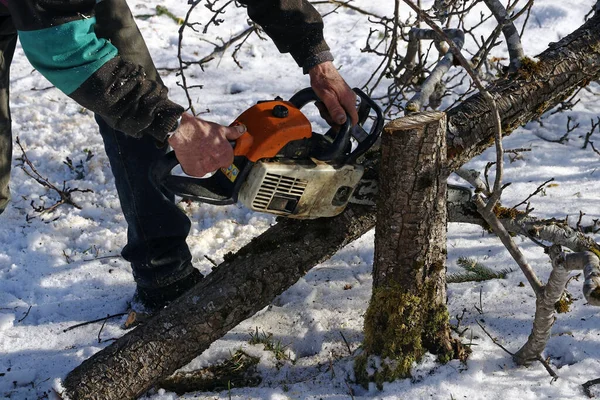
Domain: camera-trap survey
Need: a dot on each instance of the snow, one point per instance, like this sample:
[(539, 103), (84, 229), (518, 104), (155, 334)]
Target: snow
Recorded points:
[(63, 268)]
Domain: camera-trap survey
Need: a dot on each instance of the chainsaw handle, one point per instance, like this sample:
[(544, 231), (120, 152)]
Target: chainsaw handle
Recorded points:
[(303, 97), (342, 139), (205, 190), (307, 95), (364, 110), (336, 151)]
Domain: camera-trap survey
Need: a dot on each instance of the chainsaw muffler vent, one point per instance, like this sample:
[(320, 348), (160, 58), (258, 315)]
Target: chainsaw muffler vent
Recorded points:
[(279, 193), (302, 189)]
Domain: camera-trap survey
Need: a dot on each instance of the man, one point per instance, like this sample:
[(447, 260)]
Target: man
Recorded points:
[(92, 50)]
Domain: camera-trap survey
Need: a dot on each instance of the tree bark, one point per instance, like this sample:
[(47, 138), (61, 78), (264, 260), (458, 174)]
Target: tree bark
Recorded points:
[(407, 313), (254, 276)]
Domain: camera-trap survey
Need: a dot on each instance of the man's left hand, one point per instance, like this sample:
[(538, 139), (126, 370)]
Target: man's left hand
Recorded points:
[(334, 92)]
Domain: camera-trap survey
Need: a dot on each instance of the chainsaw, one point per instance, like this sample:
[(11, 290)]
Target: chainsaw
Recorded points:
[(280, 165)]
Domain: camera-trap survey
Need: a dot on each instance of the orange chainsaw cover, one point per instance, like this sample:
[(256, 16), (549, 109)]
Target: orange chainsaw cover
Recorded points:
[(266, 133)]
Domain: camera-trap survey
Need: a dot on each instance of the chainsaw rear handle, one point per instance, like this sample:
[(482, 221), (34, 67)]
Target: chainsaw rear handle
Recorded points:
[(186, 186)]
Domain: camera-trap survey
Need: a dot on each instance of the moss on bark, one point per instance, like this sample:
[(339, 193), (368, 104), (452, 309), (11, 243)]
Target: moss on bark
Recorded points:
[(399, 328)]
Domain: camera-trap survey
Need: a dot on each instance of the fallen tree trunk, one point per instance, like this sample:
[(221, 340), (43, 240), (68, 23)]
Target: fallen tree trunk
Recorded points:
[(274, 261)]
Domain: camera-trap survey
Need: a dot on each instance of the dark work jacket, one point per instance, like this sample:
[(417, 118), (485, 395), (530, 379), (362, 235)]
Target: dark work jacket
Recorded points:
[(94, 53)]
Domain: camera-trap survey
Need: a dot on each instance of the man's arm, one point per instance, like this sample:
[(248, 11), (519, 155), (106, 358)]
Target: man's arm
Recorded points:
[(294, 26), (59, 40), (297, 28)]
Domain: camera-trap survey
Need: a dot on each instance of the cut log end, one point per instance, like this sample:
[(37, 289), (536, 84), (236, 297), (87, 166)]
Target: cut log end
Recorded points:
[(414, 121)]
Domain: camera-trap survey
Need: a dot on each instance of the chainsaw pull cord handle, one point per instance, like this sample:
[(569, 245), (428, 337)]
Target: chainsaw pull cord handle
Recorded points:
[(335, 152)]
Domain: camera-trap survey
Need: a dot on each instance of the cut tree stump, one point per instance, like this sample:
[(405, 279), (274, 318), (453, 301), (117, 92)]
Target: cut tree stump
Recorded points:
[(407, 313)]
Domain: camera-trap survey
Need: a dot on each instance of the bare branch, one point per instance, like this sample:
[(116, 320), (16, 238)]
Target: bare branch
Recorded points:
[(346, 4), (473, 177), (435, 76), (562, 265), (539, 189), (94, 321), (181, 62), (218, 50), (591, 132), (588, 384), (497, 192), (391, 48), (513, 40), (64, 193), (493, 339), (590, 264), (512, 248), (216, 12)]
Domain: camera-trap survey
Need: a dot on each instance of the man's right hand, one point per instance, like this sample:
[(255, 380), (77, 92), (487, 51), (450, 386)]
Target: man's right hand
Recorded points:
[(203, 147)]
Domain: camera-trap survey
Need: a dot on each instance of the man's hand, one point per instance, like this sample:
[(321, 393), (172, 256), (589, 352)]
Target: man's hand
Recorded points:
[(334, 92), (202, 146)]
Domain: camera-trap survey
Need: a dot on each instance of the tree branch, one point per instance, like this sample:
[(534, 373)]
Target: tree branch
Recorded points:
[(544, 308), (513, 39), (435, 76)]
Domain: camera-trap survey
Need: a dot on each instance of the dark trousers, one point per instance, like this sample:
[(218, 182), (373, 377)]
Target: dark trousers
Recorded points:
[(8, 41), (156, 227)]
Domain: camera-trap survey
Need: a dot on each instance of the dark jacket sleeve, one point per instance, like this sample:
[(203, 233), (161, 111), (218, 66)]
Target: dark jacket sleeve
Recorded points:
[(295, 27), (60, 40)]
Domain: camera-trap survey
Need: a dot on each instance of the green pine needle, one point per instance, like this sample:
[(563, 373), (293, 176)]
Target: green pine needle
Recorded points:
[(475, 272)]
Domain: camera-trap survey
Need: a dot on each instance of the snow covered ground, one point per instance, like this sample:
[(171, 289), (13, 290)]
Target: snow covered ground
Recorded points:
[(63, 268)]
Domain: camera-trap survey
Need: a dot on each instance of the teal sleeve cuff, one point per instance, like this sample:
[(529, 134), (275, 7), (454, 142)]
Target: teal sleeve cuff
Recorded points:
[(68, 54)]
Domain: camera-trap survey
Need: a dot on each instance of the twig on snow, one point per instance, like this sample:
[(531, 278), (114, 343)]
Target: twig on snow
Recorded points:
[(347, 344), (100, 340), (350, 390), (101, 328), (494, 340), (548, 368), (588, 385), (94, 321), (536, 191), (539, 357), (64, 193), (26, 314), (591, 132)]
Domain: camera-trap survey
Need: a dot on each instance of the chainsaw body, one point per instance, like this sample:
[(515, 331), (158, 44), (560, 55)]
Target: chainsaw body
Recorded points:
[(281, 166)]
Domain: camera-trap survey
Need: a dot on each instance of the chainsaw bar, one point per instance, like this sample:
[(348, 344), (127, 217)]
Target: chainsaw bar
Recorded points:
[(365, 194)]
